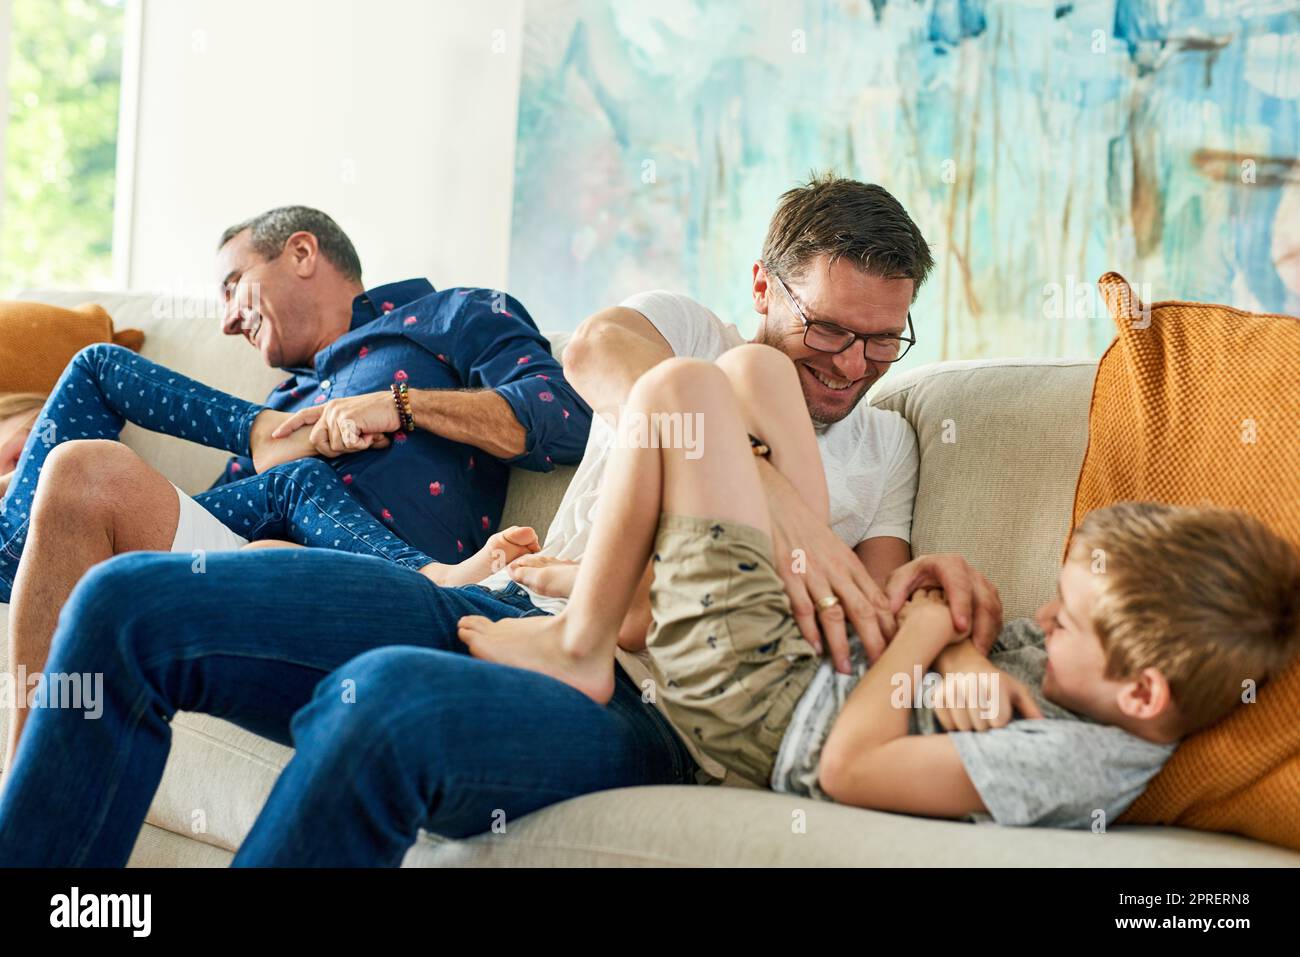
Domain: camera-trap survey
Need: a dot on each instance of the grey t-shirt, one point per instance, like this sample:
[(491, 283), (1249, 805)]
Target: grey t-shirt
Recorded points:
[(1058, 771)]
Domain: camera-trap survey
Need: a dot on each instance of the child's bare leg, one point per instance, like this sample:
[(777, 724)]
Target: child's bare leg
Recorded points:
[(771, 401), (708, 472)]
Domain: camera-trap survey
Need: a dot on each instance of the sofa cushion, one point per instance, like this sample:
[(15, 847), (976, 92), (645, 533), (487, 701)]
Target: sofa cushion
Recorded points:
[(731, 827), (1199, 403), (1000, 444), (182, 334)]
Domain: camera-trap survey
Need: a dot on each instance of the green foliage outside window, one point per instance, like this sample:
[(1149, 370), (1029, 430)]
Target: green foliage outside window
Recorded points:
[(65, 71)]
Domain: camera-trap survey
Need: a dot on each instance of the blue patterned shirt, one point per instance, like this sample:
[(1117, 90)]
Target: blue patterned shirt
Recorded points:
[(443, 497)]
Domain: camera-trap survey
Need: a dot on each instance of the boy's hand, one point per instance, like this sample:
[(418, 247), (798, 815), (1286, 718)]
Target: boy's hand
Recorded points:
[(553, 577), (920, 599), (974, 603), (977, 710), (927, 605), (925, 626)]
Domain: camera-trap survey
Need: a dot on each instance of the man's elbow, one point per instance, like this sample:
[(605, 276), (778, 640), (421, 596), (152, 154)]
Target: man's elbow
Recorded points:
[(584, 348)]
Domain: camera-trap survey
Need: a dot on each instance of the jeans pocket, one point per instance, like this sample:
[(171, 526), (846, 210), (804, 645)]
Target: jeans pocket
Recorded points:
[(513, 594)]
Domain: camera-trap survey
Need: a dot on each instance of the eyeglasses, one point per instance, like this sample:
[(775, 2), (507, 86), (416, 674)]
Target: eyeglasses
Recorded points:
[(828, 337)]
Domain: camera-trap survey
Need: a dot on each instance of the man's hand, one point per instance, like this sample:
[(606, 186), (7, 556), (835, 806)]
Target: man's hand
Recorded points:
[(973, 712), (814, 565), (965, 589), (350, 424), (553, 577)]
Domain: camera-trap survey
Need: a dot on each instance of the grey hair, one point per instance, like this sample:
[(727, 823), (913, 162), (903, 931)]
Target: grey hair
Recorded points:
[(272, 229)]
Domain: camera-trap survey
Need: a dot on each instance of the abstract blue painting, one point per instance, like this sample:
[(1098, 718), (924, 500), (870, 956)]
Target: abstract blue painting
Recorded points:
[(1036, 144)]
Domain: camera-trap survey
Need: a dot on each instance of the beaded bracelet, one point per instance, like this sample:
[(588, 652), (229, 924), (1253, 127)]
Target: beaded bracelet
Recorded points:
[(402, 399)]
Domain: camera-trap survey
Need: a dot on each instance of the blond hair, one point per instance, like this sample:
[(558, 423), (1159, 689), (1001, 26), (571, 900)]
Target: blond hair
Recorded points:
[(17, 403), (1208, 596)]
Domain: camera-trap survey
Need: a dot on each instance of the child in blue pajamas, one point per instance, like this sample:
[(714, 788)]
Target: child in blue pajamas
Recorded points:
[(105, 386)]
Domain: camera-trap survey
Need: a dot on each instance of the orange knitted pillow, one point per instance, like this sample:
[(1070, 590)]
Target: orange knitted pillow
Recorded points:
[(1198, 404), (38, 341)]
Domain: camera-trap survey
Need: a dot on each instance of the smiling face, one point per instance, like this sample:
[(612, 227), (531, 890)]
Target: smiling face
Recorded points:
[(1076, 662), (846, 295), (270, 302)]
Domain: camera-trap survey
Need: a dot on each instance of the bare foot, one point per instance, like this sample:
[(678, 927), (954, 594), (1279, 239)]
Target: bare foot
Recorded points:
[(501, 549), (269, 452), (538, 644), (553, 577)]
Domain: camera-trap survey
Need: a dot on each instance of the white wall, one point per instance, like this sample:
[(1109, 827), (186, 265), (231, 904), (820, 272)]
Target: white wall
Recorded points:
[(397, 117)]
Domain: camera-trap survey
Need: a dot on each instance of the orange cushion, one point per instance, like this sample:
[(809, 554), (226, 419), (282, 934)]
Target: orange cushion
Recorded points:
[(1202, 405), (37, 341)]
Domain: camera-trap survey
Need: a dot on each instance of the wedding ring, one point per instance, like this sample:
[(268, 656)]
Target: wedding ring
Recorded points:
[(830, 601)]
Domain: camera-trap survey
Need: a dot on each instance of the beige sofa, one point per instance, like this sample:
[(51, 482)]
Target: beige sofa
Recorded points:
[(1001, 443)]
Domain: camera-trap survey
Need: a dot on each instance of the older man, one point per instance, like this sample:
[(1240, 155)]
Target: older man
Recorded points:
[(484, 393), (484, 390)]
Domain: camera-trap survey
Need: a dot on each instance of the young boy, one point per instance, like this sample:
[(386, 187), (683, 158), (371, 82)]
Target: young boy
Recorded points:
[(1164, 618)]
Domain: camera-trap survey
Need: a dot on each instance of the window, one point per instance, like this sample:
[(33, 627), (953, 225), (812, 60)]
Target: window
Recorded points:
[(64, 77)]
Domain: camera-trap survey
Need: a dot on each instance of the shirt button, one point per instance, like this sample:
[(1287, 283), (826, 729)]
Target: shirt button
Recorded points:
[(325, 384)]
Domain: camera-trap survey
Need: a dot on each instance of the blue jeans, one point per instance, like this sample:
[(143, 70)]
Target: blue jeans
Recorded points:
[(352, 660), (105, 386)]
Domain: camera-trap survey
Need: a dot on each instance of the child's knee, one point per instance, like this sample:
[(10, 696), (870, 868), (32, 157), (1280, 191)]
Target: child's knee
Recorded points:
[(308, 471), (677, 379), (97, 353), (757, 367)]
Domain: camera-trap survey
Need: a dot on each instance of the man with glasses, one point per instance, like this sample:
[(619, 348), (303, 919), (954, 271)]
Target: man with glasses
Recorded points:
[(840, 269)]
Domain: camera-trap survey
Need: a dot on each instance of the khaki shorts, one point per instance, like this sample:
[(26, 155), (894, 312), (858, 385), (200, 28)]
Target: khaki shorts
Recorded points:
[(730, 662)]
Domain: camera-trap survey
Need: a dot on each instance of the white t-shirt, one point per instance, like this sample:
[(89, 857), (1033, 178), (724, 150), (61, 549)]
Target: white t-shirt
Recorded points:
[(870, 459), (870, 456)]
